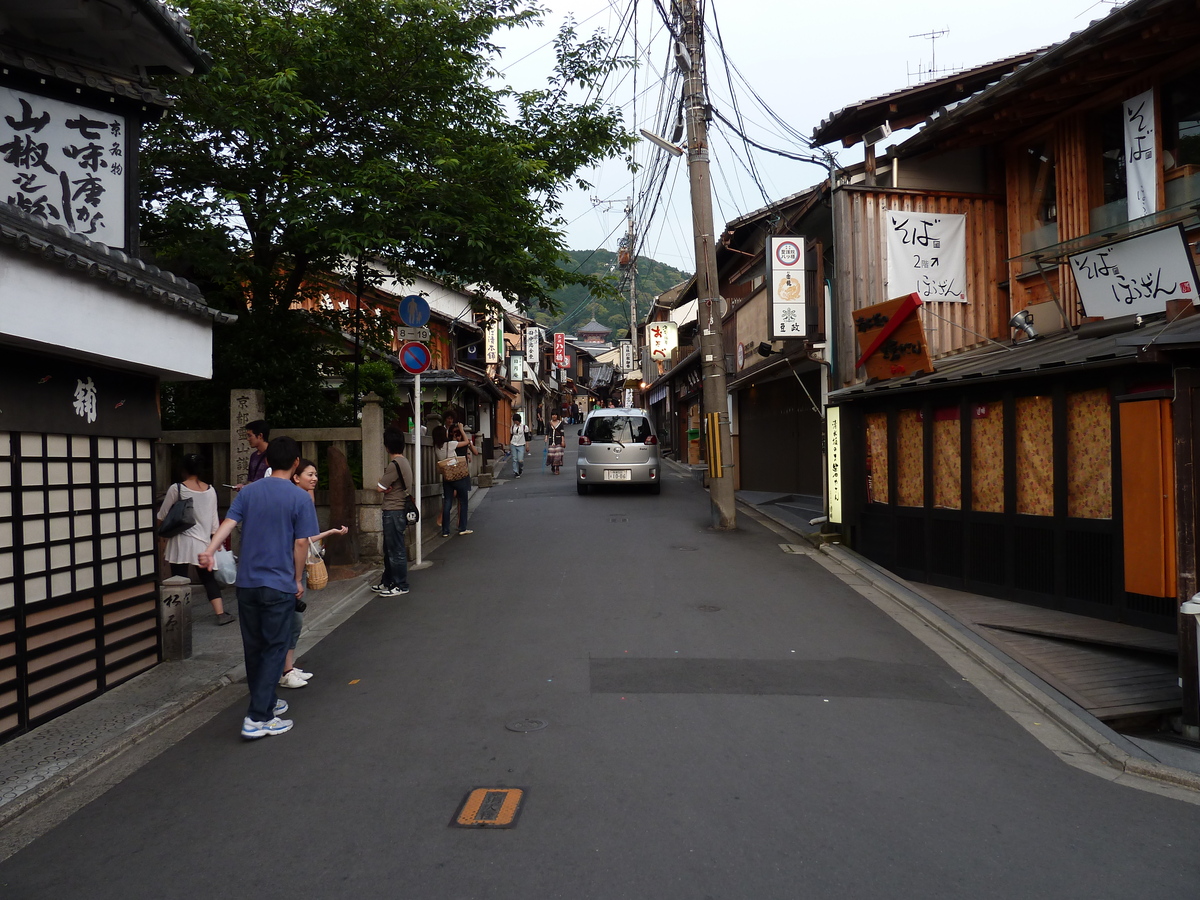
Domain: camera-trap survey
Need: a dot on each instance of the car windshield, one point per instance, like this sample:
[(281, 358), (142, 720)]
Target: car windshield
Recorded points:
[(614, 429)]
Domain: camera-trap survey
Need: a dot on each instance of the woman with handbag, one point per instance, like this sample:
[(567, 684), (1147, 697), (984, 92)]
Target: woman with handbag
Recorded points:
[(305, 478), (555, 439), (450, 451), (184, 548)]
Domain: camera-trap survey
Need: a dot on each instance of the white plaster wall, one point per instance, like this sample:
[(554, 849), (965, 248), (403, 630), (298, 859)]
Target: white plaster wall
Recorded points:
[(76, 316)]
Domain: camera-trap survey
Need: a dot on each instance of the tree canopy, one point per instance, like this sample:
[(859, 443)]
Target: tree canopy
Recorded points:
[(332, 130)]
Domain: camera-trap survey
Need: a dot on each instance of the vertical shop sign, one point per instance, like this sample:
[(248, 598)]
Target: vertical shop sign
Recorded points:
[(533, 348), (560, 350), (833, 459), (1141, 169), (785, 283)]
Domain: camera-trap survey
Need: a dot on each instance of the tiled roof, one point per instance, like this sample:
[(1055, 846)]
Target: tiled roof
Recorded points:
[(57, 246)]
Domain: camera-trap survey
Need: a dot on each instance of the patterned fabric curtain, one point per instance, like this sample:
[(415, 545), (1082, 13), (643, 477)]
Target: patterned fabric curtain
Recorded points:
[(1089, 455), (1035, 456), (877, 458), (987, 458), (947, 459), (910, 458)]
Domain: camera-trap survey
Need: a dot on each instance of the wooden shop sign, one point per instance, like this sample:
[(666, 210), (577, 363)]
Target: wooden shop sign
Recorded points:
[(892, 339)]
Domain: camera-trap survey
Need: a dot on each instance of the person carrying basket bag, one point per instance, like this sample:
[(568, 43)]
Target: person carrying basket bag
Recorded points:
[(451, 451)]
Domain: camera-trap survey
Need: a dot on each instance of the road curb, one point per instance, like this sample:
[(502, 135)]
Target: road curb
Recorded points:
[(1107, 745)]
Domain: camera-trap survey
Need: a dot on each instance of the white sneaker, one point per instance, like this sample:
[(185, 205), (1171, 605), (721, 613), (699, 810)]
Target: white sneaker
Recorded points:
[(281, 706), (290, 679), (252, 729), (395, 592), (299, 671)]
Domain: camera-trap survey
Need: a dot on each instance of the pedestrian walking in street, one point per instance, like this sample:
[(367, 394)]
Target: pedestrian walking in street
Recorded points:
[(183, 550), (447, 447), (396, 485), (453, 427), (555, 440), (541, 423), (293, 676), (277, 520), (517, 445)]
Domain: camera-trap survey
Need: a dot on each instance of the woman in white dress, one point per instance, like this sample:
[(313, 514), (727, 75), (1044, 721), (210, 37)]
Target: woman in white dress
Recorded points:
[(184, 548)]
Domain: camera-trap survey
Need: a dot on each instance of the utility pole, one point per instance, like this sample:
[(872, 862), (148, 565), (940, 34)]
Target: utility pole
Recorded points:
[(715, 397), (629, 239)]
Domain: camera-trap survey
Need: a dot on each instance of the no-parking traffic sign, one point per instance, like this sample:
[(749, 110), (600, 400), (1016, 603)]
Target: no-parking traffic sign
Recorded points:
[(414, 358)]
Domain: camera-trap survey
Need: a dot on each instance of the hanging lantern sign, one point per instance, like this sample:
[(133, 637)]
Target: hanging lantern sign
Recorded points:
[(785, 284), (661, 339)]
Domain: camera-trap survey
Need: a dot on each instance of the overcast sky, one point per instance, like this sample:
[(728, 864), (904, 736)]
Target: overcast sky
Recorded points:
[(804, 59)]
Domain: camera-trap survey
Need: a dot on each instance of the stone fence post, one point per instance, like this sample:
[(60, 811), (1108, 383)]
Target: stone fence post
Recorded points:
[(175, 617), (244, 406)]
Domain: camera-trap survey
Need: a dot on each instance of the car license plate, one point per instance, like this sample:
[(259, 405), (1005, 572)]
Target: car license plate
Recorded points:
[(618, 475)]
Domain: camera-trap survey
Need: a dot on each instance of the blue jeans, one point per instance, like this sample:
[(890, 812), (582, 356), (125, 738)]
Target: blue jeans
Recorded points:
[(518, 454), (462, 487), (395, 553), (267, 616)]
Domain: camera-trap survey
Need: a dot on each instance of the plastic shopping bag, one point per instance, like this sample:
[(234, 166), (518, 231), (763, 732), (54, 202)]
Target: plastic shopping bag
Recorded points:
[(225, 567)]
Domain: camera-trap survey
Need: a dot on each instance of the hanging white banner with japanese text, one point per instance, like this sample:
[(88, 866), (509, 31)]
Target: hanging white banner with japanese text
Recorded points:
[(927, 255), (785, 285), (65, 163), (1137, 276), (533, 348), (1141, 169), (661, 339), (516, 366), (833, 460), (493, 337)]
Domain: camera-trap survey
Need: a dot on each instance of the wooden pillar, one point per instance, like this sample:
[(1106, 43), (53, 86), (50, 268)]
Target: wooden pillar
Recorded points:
[(869, 165)]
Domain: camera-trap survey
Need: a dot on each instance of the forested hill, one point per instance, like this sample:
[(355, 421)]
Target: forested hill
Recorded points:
[(579, 307)]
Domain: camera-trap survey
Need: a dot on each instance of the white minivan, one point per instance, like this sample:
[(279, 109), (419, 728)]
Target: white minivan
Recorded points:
[(617, 446)]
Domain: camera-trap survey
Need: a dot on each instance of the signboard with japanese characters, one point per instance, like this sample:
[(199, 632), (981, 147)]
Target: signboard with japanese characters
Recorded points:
[(785, 285), (1141, 169), (661, 339), (833, 459), (1137, 276), (533, 348), (560, 350), (892, 339), (516, 366), (65, 163), (40, 394), (626, 356), (927, 255), (493, 337)]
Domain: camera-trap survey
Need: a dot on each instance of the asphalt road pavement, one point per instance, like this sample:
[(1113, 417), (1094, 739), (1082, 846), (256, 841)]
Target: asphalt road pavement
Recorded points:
[(723, 720)]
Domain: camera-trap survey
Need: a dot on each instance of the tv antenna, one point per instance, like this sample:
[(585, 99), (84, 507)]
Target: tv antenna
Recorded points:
[(932, 71)]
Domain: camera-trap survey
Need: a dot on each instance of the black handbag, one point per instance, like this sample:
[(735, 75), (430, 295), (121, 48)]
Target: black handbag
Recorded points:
[(179, 518), (412, 512)]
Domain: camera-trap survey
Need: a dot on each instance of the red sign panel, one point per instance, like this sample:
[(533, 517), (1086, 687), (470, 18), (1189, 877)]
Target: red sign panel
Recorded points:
[(560, 350)]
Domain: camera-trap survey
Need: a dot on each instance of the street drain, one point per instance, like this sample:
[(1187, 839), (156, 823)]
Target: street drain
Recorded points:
[(617, 520), (687, 549), (524, 726), (494, 807), (709, 608)]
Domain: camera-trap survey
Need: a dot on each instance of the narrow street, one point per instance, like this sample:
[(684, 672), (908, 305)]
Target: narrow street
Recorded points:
[(723, 720)]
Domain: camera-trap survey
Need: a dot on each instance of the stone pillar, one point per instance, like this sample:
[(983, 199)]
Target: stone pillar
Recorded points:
[(374, 454), (175, 617), (244, 406)]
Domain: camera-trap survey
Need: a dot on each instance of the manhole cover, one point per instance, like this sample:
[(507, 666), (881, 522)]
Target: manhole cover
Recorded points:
[(524, 726), (708, 608), (494, 807)]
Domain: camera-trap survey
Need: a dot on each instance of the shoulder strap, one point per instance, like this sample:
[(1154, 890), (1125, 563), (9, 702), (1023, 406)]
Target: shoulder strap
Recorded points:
[(400, 474)]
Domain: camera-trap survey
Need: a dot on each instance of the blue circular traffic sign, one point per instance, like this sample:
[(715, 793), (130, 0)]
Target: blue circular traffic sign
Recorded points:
[(414, 357), (414, 311)]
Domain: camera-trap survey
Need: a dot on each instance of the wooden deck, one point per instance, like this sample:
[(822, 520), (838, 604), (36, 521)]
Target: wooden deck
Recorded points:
[(1111, 670)]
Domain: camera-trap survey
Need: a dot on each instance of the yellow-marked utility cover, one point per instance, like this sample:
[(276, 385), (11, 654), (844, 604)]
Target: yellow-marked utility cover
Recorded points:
[(494, 807)]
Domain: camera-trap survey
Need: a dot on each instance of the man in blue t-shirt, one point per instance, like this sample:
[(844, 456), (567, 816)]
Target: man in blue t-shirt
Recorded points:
[(277, 520)]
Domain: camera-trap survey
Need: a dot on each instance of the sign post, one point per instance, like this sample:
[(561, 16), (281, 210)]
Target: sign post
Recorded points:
[(415, 359)]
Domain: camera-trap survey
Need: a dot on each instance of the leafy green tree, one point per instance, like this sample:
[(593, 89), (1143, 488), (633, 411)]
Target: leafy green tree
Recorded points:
[(336, 131)]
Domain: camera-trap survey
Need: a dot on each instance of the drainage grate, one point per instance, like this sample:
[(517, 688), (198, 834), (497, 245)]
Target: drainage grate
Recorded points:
[(617, 520), (708, 608), (687, 549), (494, 807), (524, 726)]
